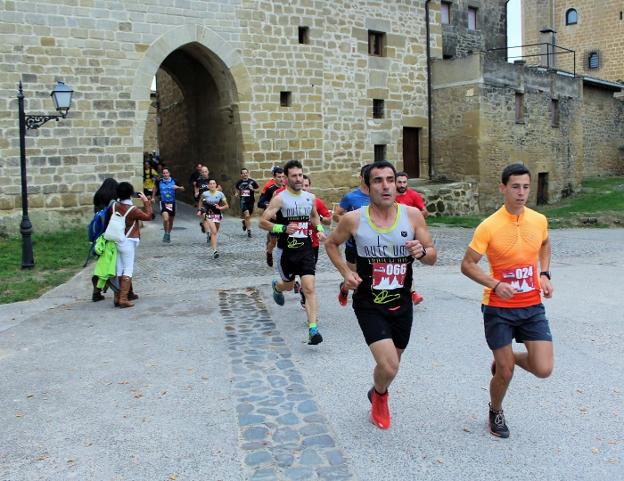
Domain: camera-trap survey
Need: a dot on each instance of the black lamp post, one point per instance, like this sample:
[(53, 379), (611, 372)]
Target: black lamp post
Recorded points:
[(62, 95)]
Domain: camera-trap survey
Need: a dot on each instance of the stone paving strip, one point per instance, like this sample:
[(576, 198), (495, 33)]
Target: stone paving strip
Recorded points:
[(282, 433)]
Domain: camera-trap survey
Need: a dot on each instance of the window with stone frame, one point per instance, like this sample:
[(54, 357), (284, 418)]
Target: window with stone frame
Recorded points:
[(472, 18), (519, 107), (554, 113), (380, 152), (304, 35), (445, 13), (571, 17), (378, 108), (376, 43)]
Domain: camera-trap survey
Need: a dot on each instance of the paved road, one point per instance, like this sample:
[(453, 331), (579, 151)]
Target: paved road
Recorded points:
[(207, 379)]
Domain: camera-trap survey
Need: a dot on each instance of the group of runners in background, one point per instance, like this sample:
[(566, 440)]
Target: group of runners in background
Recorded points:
[(382, 225)]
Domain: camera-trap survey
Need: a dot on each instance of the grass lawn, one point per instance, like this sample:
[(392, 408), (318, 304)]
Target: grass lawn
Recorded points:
[(58, 257), (599, 204)]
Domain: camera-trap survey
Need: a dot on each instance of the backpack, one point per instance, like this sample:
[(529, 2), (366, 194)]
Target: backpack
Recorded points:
[(116, 229), (97, 226)]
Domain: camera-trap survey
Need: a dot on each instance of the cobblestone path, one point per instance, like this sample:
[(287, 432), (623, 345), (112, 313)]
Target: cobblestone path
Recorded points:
[(282, 431)]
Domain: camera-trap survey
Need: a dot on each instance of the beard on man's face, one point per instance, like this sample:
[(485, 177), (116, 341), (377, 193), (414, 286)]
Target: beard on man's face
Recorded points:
[(401, 190)]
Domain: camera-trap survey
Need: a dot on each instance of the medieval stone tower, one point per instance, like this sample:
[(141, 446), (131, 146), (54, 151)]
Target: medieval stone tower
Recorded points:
[(244, 83), (594, 29)]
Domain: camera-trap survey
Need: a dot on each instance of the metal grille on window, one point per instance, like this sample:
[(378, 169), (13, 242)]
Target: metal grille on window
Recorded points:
[(594, 60)]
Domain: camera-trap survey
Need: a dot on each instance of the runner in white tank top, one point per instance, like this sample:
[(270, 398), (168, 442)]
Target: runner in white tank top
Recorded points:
[(388, 238)]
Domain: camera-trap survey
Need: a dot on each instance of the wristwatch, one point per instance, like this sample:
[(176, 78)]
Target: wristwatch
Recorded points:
[(423, 254), (545, 273)]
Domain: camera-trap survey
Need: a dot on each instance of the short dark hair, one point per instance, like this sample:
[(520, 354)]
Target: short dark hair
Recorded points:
[(363, 169), (514, 169), (124, 190), (277, 170), (244, 168), (377, 165), (307, 177), (292, 164), (402, 174)]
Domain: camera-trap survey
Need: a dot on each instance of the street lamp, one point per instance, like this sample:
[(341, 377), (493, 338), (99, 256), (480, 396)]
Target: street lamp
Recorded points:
[(61, 95)]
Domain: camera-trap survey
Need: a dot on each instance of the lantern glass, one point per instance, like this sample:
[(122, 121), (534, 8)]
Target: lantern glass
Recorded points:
[(62, 97)]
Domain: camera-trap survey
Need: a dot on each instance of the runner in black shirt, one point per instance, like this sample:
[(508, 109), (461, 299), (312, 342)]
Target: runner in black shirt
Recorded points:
[(245, 189)]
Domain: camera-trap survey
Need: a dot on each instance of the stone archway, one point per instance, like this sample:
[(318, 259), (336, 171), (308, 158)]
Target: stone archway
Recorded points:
[(202, 82)]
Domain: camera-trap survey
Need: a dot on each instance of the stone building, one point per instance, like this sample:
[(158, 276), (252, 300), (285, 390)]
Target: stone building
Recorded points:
[(241, 83), (593, 29), (488, 113)]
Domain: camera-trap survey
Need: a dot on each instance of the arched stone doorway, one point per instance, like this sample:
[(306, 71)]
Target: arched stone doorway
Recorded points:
[(200, 82), (197, 116)]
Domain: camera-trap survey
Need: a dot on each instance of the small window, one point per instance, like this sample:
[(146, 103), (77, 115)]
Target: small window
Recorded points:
[(472, 18), (376, 43), (380, 152), (519, 108), (593, 60), (304, 35), (571, 17), (445, 13), (378, 108), (285, 99), (554, 113)]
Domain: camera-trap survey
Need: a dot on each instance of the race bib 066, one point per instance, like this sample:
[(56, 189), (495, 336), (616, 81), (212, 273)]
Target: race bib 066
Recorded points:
[(388, 275)]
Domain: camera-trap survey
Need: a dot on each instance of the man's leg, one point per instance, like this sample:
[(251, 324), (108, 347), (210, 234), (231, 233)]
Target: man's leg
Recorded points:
[(538, 360), (387, 359), (307, 285), (165, 221), (270, 245), (505, 361)]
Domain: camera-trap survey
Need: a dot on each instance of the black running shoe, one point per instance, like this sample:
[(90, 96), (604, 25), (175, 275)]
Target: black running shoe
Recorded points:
[(498, 427), (314, 337)]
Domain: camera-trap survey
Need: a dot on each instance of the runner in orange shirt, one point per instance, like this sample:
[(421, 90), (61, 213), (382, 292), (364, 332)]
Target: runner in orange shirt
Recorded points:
[(515, 241)]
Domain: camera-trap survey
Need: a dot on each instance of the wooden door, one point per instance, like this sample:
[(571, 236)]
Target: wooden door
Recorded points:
[(411, 151)]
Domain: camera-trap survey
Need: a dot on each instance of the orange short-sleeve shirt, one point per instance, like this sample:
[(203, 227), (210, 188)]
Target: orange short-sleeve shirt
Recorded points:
[(511, 244)]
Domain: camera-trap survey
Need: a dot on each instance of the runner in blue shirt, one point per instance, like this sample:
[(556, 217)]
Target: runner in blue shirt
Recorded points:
[(352, 201), (166, 187)]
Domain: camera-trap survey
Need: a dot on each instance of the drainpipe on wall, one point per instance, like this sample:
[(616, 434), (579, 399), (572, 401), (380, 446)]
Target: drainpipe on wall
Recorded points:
[(429, 122)]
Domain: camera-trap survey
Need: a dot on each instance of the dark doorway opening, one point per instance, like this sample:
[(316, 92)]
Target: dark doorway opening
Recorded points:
[(197, 119), (411, 151), (542, 188)]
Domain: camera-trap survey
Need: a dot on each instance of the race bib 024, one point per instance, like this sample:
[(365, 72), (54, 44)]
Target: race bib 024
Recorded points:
[(521, 278)]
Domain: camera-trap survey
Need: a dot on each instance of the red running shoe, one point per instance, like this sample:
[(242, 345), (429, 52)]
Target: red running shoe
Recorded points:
[(343, 296), (380, 413), (416, 298)]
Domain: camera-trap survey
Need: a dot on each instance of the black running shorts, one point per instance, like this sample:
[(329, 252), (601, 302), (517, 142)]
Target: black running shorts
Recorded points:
[(380, 322), (168, 207), (351, 254), (246, 205), (295, 262), (502, 324)]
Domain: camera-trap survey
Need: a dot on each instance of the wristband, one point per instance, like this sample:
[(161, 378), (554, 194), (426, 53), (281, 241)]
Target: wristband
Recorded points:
[(320, 228), (497, 284), (278, 228)]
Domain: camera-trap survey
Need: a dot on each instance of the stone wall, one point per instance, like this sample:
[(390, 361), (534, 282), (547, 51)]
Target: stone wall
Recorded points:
[(603, 131), (150, 136), (476, 133), (491, 31), (600, 28), (246, 50), (455, 198)]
